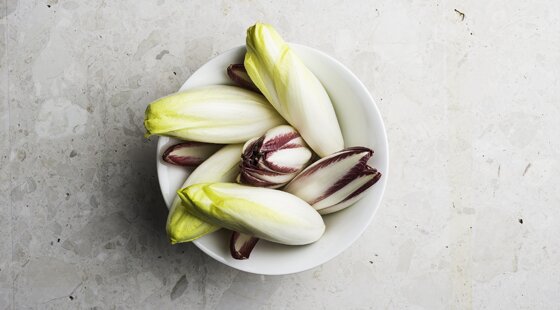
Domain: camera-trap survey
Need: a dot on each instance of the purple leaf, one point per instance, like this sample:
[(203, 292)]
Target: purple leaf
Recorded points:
[(364, 181), (239, 76), (189, 153), (241, 245)]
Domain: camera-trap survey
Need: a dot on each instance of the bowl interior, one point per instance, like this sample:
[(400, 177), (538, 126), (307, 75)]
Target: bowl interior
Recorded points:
[(361, 124)]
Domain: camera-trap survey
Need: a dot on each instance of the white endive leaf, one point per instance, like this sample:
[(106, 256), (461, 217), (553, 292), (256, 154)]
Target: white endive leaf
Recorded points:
[(293, 90), (295, 158), (341, 196), (223, 166), (261, 212)]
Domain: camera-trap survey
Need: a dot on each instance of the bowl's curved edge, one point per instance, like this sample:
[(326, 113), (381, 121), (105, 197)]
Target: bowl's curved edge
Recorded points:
[(385, 173)]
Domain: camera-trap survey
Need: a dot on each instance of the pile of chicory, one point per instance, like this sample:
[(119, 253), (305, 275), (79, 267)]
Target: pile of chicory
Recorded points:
[(269, 153)]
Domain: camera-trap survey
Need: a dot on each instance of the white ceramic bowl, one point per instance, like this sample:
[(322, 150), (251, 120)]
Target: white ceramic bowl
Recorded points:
[(361, 124)]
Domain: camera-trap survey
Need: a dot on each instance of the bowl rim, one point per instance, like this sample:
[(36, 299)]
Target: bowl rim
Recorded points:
[(383, 180)]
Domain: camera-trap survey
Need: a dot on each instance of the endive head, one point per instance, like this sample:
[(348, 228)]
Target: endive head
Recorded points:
[(336, 181), (292, 89), (273, 159), (265, 213), (213, 114)]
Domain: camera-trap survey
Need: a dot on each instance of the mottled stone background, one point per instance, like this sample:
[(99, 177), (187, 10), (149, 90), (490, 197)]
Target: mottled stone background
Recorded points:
[(469, 92)]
